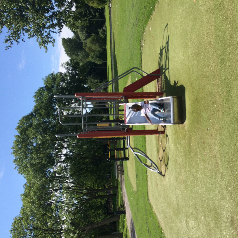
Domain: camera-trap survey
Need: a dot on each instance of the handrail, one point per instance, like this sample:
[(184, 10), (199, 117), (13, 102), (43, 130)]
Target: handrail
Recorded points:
[(105, 85)]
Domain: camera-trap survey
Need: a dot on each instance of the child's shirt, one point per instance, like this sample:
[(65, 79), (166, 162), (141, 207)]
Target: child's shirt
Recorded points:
[(145, 108)]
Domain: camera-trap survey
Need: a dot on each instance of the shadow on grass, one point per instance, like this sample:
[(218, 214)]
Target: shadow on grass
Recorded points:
[(163, 154), (132, 231), (170, 88), (115, 87)]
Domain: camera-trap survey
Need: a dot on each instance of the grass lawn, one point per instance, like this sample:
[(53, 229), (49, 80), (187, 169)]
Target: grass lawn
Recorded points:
[(109, 71), (198, 196), (195, 42), (129, 19)]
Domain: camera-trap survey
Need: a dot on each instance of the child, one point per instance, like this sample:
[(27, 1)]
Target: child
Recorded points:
[(152, 109)]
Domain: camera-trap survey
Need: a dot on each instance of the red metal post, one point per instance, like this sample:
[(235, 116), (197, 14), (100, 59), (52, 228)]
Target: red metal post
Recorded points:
[(108, 134), (142, 82), (111, 96)]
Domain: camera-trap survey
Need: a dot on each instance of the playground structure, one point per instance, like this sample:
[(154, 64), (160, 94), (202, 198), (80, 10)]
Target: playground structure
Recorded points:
[(117, 153), (113, 123)]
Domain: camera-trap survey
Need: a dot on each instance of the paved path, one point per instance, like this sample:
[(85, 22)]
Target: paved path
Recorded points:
[(129, 220)]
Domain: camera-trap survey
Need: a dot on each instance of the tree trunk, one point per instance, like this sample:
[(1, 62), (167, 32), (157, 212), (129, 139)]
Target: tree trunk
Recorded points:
[(110, 188), (101, 197), (92, 190), (103, 222)]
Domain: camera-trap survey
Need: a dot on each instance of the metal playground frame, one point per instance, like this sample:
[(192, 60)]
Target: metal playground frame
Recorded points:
[(84, 104)]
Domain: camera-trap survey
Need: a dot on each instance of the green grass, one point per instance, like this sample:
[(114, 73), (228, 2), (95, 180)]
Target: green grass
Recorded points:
[(129, 19), (109, 65), (196, 44), (131, 27), (199, 193), (145, 220)]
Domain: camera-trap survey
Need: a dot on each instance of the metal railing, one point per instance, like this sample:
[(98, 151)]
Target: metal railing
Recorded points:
[(132, 70)]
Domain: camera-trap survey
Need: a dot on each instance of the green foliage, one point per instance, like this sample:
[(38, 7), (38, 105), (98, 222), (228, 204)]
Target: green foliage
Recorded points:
[(86, 18), (86, 60), (89, 73), (74, 49), (66, 188), (43, 19), (92, 49), (66, 185), (87, 48), (97, 3), (33, 18), (93, 81), (95, 43), (95, 46)]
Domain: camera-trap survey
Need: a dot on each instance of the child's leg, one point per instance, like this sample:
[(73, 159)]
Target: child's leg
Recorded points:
[(157, 106), (158, 116)]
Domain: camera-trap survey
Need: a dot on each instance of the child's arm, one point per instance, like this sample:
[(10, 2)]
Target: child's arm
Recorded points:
[(148, 119)]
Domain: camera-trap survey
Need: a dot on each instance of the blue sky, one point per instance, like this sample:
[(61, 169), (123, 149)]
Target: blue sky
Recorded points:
[(22, 69)]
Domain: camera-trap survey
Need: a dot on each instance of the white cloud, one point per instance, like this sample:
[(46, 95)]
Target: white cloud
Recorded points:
[(60, 57), (23, 61)]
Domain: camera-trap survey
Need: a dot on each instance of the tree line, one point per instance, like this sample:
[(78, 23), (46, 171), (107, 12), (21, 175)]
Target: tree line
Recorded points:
[(67, 187)]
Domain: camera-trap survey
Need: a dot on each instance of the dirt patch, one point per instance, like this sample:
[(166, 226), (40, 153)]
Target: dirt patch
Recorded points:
[(163, 140), (159, 84), (163, 153)]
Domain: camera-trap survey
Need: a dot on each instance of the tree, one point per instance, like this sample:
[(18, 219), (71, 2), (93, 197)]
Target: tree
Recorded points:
[(83, 71), (114, 235), (33, 18), (96, 3), (34, 145), (101, 223), (74, 49), (96, 47), (66, 188), (84, 17)]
